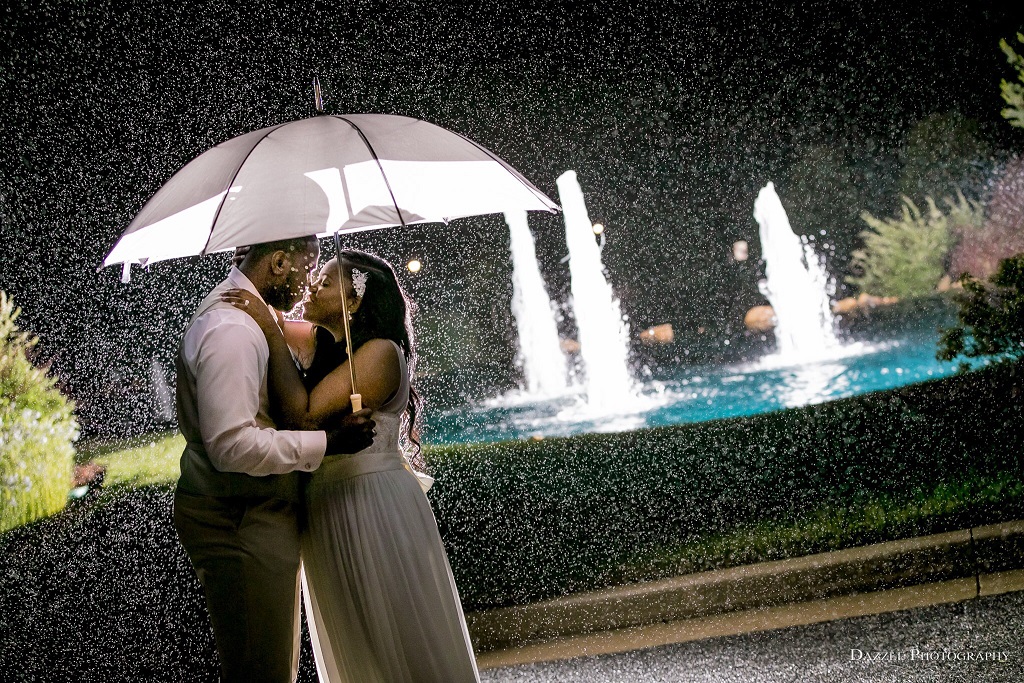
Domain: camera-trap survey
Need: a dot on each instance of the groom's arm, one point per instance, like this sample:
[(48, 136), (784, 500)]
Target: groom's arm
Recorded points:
[(228, 368)]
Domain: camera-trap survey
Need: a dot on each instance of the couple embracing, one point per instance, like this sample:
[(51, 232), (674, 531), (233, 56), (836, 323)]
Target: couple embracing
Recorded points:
[(282, 483)]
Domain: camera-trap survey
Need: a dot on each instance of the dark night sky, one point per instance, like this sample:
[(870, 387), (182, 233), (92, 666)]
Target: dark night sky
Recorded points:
[(673, 114)]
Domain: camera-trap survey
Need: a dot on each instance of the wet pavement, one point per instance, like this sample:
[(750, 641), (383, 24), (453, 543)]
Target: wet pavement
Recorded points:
[(980, 640)]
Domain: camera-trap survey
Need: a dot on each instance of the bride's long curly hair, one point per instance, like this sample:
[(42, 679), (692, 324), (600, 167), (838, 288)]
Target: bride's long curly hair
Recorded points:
[(384, 313)]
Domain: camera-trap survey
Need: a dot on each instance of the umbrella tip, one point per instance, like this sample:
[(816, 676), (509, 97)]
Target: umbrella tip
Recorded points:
[(318, 98)]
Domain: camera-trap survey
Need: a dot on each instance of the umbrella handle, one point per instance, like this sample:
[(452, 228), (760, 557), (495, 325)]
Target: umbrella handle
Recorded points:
[(357, 402)]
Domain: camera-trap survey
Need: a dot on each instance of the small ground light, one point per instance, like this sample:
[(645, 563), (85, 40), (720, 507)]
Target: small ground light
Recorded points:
[(414, 265), (598, 228), (739, 250)]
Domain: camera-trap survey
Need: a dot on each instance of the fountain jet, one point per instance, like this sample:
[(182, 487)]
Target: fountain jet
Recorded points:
[(540, 356), (603, 332), (796, 285)]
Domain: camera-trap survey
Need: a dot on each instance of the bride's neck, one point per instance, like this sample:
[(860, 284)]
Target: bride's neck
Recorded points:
[(338, 333)]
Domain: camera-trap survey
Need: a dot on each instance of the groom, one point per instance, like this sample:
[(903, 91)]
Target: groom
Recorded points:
[(237, 502)]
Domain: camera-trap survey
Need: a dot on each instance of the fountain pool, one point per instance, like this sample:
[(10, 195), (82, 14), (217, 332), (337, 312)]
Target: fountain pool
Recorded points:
[(811, 364), (695, 394)]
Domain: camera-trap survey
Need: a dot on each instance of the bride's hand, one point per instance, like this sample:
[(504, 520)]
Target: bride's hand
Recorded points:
[(246, 301)]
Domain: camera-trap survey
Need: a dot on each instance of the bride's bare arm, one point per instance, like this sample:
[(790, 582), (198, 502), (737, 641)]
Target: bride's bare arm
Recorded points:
[(377, 374)]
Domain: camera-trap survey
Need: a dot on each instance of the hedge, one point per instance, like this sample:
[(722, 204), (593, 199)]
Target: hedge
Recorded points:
[(524, 521)]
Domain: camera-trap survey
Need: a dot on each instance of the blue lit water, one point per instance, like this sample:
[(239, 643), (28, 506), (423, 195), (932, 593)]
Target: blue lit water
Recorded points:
[(694, 394)]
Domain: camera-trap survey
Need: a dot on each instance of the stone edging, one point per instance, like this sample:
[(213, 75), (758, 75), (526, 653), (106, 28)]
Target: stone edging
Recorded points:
[(953, 556)]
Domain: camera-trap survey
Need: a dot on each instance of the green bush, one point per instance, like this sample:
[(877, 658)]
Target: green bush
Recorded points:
[(903, 257), (525, 521), (965, 216), (991, 318), (37, 428), (1013, 93)]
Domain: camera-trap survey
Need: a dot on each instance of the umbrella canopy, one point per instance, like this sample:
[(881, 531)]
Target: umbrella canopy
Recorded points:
[(322, 175)]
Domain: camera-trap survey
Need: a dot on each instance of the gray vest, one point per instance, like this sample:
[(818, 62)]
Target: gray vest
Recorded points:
[(198, 475)]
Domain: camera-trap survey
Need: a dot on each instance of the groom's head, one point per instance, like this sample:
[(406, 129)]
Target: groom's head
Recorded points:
[(280, 270)]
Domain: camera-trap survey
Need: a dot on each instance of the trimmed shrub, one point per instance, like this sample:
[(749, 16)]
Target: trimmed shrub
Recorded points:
[(524, 521), (37, 428)]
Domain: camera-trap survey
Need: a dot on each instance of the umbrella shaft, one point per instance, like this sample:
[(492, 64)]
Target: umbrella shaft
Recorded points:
[(356, 398)]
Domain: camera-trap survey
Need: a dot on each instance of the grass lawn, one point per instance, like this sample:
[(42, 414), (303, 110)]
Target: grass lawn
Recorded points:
[(144, 460), (152, 459)]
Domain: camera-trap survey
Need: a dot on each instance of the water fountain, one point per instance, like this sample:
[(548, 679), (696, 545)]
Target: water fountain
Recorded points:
[(796, 285), (545, 371), (811, 365), (603, 332), (163, 395)]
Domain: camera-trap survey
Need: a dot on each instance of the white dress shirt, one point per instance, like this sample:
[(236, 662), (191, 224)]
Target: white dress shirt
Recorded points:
[(223, 405)]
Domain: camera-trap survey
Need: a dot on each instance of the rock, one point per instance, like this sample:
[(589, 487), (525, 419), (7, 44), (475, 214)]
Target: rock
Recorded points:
[(863, 302), (844, 306), (659, 334), (569, 345), (89, 474), (760, 319)]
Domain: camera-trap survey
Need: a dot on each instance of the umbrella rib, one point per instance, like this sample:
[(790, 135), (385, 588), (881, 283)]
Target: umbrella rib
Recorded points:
[(377, 159), (537, 193), (227, 190)]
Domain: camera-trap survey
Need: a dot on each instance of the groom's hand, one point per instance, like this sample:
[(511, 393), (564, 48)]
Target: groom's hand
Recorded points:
[(351, 433), (239, 255)]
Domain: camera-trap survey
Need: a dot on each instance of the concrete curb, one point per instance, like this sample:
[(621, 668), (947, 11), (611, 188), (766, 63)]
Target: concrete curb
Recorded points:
[(939, 568)]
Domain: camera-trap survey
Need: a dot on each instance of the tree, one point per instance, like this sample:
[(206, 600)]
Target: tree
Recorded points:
[(944, 154), (991, 316), (903, 257), (1013, 93)]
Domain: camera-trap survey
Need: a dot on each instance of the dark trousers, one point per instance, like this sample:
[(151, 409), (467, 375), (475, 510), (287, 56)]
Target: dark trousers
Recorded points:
[(246, 554)]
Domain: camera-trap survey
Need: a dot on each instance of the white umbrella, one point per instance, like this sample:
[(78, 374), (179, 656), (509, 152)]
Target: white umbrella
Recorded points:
[(323, 175)]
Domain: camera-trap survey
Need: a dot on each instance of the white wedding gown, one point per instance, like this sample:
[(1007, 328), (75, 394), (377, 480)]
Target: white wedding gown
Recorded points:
[(381, 602)]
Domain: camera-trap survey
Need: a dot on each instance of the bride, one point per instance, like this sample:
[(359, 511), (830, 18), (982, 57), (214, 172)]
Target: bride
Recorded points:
[(380, 598)]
